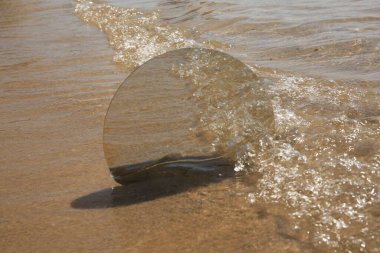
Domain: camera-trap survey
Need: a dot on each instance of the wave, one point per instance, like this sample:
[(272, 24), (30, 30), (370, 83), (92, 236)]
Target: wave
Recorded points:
[(136, 36), (322, 161)]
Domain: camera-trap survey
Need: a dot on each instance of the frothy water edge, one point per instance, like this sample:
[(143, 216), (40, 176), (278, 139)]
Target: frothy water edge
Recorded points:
[(324, 160)]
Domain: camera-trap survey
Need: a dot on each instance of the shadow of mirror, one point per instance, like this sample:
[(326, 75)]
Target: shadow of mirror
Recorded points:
[(156, 179)]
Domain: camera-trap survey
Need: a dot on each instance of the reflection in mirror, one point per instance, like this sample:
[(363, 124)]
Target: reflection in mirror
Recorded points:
[(180, 115)]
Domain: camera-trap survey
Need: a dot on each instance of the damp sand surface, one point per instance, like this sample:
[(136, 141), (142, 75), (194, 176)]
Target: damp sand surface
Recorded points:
[(314, 189)]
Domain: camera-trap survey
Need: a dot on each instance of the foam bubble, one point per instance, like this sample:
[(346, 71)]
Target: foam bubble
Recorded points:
[(136, 36)]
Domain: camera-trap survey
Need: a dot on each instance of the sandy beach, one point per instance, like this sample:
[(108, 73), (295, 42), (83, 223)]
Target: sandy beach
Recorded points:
[(60, 66)]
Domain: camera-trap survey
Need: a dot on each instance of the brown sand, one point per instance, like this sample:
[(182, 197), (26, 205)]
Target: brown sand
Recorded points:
[(57, 79)]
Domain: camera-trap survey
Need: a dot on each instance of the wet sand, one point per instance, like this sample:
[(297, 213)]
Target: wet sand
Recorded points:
[(55, 185), (56, 194)]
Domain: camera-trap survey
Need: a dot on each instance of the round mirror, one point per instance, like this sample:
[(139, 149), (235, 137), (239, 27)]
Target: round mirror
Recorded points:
[(175, 116)]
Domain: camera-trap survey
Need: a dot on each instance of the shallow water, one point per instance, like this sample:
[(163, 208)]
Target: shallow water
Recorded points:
[(311, 186)]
